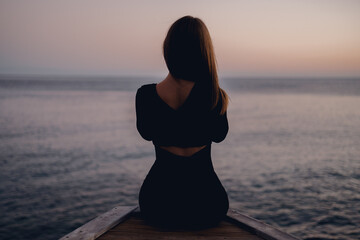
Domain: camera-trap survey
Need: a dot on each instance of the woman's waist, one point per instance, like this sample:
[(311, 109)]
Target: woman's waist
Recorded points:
[(181, 142), (182, 151), (176, 152)]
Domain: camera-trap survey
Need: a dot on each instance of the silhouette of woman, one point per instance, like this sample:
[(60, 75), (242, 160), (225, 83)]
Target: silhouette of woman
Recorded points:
[(182, 116)]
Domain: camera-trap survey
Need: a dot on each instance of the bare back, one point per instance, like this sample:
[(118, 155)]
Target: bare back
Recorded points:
[(174, 93)]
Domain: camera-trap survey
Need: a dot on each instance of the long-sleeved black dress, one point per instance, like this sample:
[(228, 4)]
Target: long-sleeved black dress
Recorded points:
[(181, 192)]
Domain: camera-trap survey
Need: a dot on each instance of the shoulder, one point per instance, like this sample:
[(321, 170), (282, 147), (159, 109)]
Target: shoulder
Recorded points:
[(147, 87), (146, 90), (217, 108)]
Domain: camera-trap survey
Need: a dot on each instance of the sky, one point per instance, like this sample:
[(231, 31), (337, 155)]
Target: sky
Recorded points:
[(115, 37)]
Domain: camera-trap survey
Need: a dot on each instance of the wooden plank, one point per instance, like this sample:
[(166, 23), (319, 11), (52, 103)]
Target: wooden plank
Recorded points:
[(259, 228), (135, 228), (100, 224), (236, 226)]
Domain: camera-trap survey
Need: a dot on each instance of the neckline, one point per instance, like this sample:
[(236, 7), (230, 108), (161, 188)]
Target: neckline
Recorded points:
[(167, 105)]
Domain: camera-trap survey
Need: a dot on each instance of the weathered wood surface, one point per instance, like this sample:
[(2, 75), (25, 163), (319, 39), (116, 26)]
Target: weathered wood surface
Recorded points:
[(135, 228), (259, 228), (236, 226), (100, 224)]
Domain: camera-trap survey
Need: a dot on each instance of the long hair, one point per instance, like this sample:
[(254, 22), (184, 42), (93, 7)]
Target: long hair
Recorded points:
[(189, 55)]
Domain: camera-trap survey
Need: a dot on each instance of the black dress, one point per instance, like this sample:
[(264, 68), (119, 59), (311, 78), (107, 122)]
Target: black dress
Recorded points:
[(181, 192)]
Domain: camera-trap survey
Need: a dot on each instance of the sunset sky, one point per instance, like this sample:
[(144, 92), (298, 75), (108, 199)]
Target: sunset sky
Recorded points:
[(113, 37)]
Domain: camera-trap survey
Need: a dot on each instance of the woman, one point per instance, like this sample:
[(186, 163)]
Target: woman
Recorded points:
[(182, 116)]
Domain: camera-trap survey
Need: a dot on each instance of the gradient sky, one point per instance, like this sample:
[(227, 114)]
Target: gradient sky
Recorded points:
[(113, 37)]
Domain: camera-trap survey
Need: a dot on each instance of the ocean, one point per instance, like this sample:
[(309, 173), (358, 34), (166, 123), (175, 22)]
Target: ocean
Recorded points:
[(69, 151)]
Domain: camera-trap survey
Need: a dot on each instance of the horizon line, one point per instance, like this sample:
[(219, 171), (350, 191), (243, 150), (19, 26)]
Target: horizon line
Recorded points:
[(221, 76)]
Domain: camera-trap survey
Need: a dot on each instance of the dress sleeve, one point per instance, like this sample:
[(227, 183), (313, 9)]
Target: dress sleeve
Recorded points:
[(219, 124), (220, 128), (143, 114)]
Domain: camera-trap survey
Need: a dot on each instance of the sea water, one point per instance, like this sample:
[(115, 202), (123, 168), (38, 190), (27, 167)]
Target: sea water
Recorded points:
[(69, 151)]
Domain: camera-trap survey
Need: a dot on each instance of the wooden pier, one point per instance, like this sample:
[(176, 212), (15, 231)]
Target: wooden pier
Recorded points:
[(125, 222)]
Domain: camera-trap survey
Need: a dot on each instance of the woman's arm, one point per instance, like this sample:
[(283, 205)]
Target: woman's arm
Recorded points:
[(219, 123), (220, 128), (143, 114)]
